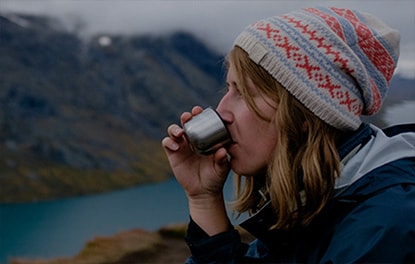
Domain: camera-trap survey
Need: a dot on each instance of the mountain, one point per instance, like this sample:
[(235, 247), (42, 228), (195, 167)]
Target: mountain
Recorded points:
[(86, 115), (401, 89), (80, 116)]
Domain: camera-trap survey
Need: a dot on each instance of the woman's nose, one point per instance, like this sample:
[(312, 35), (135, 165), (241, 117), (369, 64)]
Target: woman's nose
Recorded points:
[(224, 110)]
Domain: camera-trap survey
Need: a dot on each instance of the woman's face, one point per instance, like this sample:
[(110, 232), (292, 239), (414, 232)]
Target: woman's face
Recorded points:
[(254, 138)]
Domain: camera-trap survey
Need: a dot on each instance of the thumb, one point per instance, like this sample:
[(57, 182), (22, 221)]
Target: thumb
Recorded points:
[(221, 162)]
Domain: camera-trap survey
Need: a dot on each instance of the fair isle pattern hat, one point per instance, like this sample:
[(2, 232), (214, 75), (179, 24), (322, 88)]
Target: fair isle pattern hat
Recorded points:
[(338, 62)]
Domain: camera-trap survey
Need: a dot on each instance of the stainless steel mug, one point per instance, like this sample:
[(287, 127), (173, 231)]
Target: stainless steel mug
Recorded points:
[(206, 132)]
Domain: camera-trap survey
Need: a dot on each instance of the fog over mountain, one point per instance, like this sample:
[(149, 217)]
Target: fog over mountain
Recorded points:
[(215, 22)]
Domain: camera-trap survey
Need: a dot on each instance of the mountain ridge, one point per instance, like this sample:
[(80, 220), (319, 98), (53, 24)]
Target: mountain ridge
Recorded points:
[(80, 116)]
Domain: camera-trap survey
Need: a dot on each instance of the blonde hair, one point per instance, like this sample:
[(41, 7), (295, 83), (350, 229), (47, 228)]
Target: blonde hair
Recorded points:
[(300, 177)]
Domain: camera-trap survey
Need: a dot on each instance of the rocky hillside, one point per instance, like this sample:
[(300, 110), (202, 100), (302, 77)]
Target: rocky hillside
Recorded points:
[(80, 116)]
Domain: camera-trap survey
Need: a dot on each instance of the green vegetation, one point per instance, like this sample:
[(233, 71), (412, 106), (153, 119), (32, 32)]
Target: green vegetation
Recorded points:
[(33, 179), (135, 246)]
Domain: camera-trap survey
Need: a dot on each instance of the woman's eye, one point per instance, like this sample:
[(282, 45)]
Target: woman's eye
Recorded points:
[(232, 89), (225, 89)]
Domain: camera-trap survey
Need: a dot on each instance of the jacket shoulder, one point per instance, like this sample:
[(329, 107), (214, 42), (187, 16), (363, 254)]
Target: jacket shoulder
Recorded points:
[(398, 129), (381, 225)]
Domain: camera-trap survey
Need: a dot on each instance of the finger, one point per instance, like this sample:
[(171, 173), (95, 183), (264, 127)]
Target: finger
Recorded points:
[(221, 156), (222, 163), (185, 117), (169, 144), (175, 131), (197, 110)]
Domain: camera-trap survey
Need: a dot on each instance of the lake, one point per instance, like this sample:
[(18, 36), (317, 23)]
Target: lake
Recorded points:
[(61, 228)]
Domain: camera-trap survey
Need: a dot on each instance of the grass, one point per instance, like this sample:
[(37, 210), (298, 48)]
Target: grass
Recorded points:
[(135, 246), (26, 178), (132, 247)]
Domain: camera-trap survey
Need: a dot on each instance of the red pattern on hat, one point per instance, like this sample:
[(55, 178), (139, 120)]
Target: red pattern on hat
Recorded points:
[(331, 21), (302, 61), (369, 44), (337, 62)]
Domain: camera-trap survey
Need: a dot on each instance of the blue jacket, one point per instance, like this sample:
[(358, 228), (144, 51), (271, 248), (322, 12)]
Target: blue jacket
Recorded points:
[(370, 219)]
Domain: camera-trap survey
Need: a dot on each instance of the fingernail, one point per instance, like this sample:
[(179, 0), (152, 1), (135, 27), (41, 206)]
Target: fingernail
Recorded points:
[(174, 146), (176, 131)]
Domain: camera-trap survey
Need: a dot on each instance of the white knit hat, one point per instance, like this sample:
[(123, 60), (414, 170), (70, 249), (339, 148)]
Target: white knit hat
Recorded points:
[(338, 62)]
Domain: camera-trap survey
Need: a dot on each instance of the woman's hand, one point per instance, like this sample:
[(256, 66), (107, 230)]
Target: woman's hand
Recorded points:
[(202, 177), (199, 175)]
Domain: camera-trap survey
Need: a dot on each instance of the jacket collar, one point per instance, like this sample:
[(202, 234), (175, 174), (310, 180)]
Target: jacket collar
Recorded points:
[(358, 138), (370, 148)]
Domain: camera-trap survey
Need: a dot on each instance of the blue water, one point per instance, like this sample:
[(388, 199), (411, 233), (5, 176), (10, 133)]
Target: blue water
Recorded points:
[(61, 228)]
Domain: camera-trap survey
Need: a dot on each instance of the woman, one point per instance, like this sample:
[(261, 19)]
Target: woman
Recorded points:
[(320, 185)]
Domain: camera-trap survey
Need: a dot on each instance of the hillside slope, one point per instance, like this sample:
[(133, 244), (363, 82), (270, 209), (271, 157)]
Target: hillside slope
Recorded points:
[(80, 116)]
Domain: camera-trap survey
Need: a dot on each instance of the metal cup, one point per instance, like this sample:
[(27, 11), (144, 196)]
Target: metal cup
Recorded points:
[(206, 132)]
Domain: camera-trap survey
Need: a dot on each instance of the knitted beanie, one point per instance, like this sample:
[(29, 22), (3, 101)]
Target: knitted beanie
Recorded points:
[(338, 62)]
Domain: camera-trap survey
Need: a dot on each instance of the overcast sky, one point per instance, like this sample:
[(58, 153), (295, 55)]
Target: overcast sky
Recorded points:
[(216, 22)]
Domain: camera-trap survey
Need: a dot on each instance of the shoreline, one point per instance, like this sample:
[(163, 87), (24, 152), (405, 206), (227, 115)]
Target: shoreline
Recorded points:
[(165, 245), (136, 246)]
